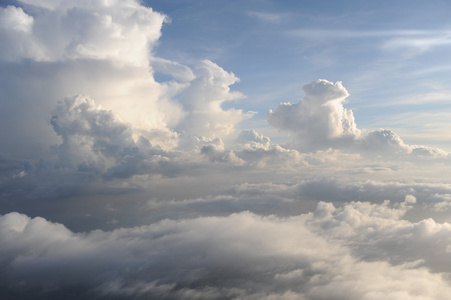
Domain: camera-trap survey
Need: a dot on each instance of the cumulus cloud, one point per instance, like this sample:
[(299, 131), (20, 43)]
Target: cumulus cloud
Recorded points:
[(202, 101), (216, 153), (384, 141), (105, 53), (320, 121), (252, 139), (52, 50), (120, 31), (332, 252), (94, 140)]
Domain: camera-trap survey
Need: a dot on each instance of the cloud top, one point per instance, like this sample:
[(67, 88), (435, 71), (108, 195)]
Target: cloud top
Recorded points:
[(118, 30), (319, 121)]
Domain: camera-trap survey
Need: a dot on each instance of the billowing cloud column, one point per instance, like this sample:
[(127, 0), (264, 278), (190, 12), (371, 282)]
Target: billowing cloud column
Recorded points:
[(319, 121), (202, 101), (51, 50)]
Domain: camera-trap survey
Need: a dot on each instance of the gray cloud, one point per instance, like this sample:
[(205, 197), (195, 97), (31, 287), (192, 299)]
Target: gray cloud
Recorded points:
[(332, 252)]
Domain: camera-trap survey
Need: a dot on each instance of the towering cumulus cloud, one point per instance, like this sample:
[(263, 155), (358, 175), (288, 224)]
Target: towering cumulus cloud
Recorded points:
[(203, 99), (319, 121), (124, 175), (55, 49)]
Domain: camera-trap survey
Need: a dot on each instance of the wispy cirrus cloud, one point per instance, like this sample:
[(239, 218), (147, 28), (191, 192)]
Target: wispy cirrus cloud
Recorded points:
[(269, 17), (390, 40)]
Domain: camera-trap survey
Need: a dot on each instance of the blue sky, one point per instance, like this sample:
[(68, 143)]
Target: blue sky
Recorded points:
[(392, 56)]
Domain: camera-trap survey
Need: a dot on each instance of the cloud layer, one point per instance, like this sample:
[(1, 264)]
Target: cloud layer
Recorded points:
[(127, 175), (358, 251)]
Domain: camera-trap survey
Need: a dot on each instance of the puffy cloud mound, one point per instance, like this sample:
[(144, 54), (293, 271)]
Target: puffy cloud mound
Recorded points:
[(358, 251), (90, 134), (202, 101), (54, 49), (103, 50), (118, 30), (252, 139), (383, 141), (319, 121), (94, 140)]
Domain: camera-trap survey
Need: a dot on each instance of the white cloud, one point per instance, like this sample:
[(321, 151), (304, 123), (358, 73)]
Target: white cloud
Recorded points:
[(15, 29), (252, 139), (358, 251), (66, 48), (319, 121), (172, 68), (202, 101), (16, 19), (121, 31)]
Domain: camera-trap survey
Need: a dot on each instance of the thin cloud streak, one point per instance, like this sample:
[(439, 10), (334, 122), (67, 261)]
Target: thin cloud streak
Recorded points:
[(338, 33)]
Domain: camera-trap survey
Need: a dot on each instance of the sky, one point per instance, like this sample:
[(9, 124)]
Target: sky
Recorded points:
[(225, 149)]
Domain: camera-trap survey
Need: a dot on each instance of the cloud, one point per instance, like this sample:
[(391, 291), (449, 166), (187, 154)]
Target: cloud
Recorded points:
[(16, 19), (178, 71), (202, 101), (120, 31), (384, 141), (54, 50), (15, 28), (94, 140), (320, 121), (106, 54), (411, 42), (426, 151), (332, 252), (95, 148), (268, 17), (252, 139), (216, 153), (419, 44)]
